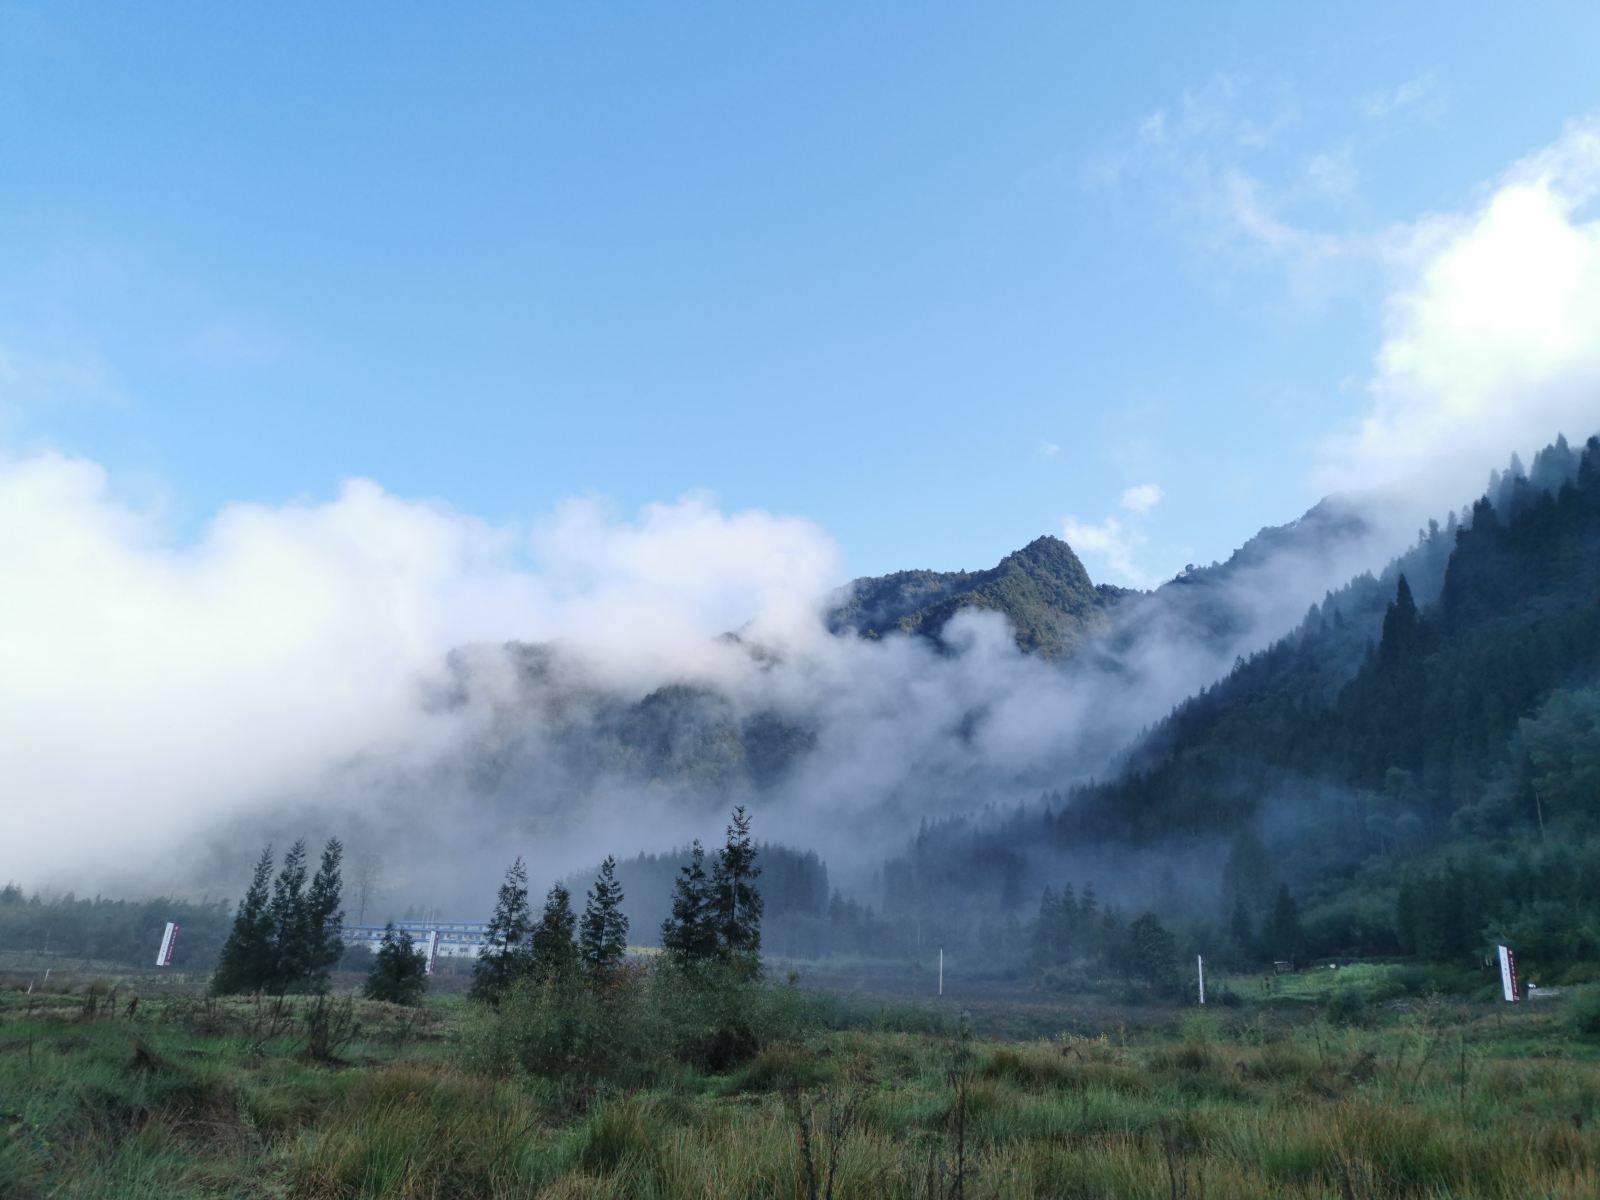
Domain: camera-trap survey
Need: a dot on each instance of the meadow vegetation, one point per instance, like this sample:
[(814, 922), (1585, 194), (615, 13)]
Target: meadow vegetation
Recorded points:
[(1306, 1095)]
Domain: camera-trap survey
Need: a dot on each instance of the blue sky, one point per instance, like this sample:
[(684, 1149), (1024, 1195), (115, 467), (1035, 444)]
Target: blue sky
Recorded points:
[(940, 277)]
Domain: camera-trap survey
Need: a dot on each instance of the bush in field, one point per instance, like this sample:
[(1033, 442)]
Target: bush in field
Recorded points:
[(1578, 973), (399, 973), (716, 1017), (561, 1025), (1415, 979), (633, 1027), (1583, 1016), (1347, 1006)]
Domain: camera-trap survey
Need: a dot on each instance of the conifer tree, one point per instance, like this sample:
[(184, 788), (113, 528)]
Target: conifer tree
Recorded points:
[(1044, 929), (1283, 934), (505, 947), (324, 919), (1401, 626), (1067, 929), (1247, 874), (246, 961), (1405, 916), (287, 917), (399, 973), (689, 935), (555, 953), (735, 902), (604, 938), (1088, 905), (1152, 951), (1241, 930)]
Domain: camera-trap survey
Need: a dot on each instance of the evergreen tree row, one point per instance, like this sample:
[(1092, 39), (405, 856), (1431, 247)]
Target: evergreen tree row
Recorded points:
[(717, 917), (286, 933), (559, 945)]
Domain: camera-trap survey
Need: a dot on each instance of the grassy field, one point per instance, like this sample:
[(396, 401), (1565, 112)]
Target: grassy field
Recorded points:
[(176, 1096)]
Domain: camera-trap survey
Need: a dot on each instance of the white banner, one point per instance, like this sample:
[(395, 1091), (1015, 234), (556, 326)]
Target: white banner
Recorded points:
[(1508, 972), (168, 942)]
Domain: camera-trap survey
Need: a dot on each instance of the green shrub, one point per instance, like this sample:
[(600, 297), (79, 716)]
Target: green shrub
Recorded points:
[(715, 1019), (1583, 1015), (639, 1025), (399, 972), (1580, 973), (783, 1069), (1419, 979), (1347, 1006)]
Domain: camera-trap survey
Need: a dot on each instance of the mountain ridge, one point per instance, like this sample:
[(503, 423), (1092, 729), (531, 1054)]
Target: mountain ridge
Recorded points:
[(1043, 589)]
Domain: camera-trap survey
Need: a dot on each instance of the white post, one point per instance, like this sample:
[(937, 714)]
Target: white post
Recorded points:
[(1200, 971), (433, 949), (941, 970)]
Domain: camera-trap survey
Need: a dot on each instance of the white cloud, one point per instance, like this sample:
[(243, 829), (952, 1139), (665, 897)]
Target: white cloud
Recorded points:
[(1423, 91), (1222, 162), (1492, 331), (148, 687), (1142, 497), (158, 694), (1048, 449), (1219, 121), (1112, 544), (1332, 173), (1112, 547)]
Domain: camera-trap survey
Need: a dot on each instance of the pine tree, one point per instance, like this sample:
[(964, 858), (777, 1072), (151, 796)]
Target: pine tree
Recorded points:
[(246, 961), (1406, 915), (1088, 906), (505, 945), (286, 915), (1401, 626), (1239, 928), (1068, 930), (1045, 951), (1247, 874), (555, 954), (1152, 952), (689, 935), (1283, 934), (604, 940), (399, 973), (735, 902), (324, 918)]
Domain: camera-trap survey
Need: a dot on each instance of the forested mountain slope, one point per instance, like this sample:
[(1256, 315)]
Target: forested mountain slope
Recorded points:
[(1043, 590), (1371, 684), (1417, 764)]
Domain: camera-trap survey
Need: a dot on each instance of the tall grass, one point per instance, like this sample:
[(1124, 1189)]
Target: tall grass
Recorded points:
[(1436, 1102)]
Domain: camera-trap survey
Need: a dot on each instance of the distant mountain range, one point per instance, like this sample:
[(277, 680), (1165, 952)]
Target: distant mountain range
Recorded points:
[(1415, 763), (560, 733), (1056, 610)]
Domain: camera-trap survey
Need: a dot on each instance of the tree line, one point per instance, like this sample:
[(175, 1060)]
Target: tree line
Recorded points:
[(715, 918), (287, 931), (108, 930)]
